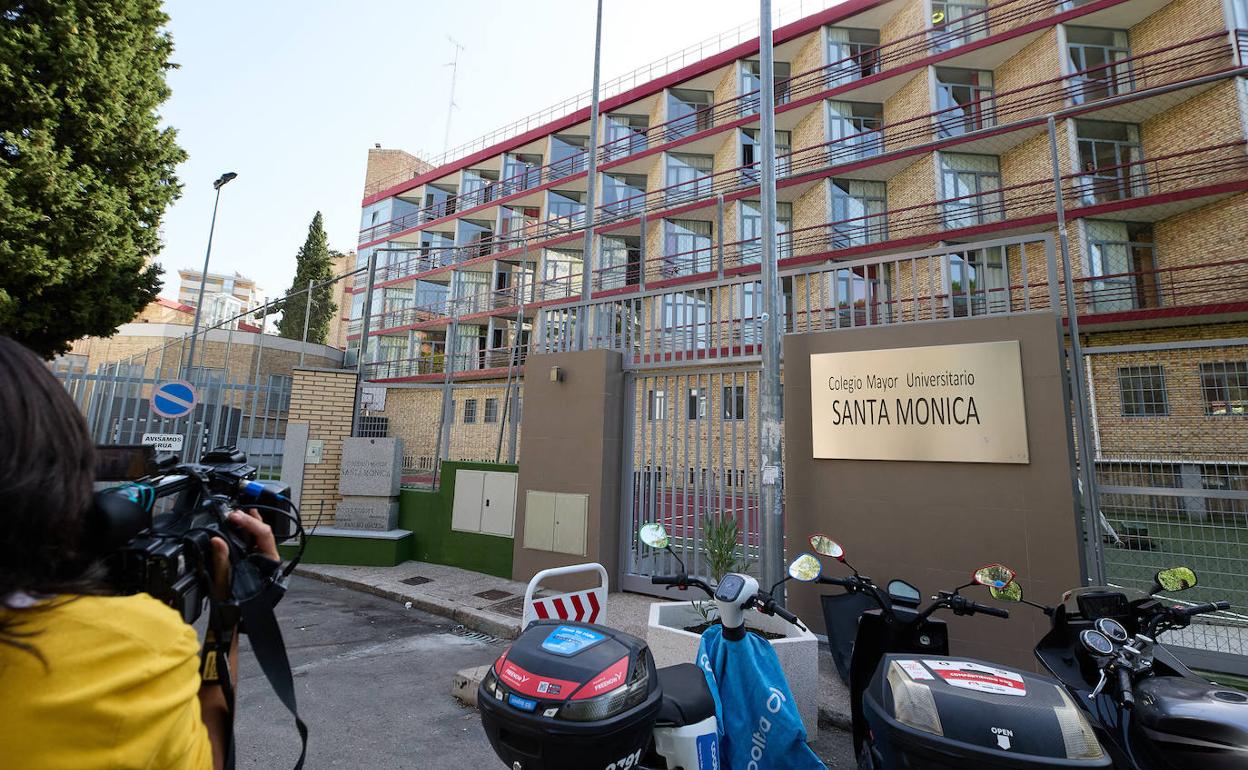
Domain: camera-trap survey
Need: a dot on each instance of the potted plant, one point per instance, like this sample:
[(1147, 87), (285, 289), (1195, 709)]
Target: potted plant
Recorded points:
[(675, 628)]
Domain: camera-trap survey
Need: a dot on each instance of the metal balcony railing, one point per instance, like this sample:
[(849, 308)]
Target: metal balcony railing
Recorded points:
[(864, 61)]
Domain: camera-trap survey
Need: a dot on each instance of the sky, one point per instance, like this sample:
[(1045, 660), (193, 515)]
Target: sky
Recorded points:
[(290, 96)]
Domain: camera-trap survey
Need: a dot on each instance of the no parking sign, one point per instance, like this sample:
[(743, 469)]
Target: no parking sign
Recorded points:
[(174, 399)]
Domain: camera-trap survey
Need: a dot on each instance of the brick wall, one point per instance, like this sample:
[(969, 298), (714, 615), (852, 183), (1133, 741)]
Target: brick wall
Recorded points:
[(811, 209), (415, 413), (1175, 22), (910, 20), (914, 185), (1039, 61), (390, 167), (811, 130), (240, 363), (1186, 430), (1032, 161), (323, 399), (911, 100), (1214, 232), (728, 85), (727, 152), (1004, 16), (811, 55), (1210, 118)]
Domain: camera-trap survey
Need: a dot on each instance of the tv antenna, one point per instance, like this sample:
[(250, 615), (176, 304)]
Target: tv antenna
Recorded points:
[(450, 108)]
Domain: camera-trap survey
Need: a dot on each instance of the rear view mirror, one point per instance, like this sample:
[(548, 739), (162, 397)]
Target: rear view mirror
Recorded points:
[(1176, 579), (826, 546), (1011, 592), (994, 576), (904, 594), (805, 568), (653, 535)]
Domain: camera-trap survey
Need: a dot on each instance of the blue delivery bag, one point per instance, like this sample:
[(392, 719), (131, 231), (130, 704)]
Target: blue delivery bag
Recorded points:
[(759, 727)]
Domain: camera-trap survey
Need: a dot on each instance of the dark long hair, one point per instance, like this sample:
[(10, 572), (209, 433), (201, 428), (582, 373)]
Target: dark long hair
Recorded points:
[(47, 465)]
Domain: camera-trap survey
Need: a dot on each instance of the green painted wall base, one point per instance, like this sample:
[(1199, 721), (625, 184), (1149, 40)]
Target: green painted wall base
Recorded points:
[(428, 516), (354, 551)]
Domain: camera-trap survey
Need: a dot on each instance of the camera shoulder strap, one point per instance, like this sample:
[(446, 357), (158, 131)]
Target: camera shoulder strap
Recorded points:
[(270, 652)]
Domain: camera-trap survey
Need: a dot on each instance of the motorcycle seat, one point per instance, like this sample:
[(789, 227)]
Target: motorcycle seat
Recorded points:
[(687, 699)]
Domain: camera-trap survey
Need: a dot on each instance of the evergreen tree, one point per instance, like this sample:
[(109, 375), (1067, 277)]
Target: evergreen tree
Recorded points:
[(86, 171), (314, 262)]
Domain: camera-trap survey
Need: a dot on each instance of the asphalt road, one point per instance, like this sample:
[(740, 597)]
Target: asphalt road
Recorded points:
[(373, 682)]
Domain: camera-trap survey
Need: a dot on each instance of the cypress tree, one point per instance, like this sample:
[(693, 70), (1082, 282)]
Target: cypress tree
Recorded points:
[(313, 263)]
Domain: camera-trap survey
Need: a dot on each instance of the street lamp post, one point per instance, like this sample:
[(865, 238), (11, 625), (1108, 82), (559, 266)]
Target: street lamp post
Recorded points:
[(221, 181)]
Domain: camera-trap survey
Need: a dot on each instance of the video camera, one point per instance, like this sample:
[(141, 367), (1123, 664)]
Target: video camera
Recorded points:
[(167, 554)]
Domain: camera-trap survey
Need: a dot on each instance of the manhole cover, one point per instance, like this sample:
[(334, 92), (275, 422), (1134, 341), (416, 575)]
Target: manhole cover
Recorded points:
[(494, 594), (416, 581), (513, 607)]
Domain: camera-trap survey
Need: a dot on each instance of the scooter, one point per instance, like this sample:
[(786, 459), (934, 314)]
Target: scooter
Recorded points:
[(914, 706), (1150, 710), (581, 696)]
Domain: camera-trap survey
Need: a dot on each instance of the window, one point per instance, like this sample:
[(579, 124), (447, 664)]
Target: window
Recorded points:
[(1225, 478), (656, 405), (620, 258), (623, 194), (491, 410), (565, 209), (1097, 63), (476, 187), (977, 282), (374, 425), (752, 81), (477, 235), (958, 22), (1225, 387), (521, 171), (855, 131), (752, 231), (964, 99), (1111, 161), (625, 135), (1121, 265), (687, 112), (856, 297), (752, 154), (696, 404), (687, 247), (470, 411), (568, 155), (1143, 390), (688, 176), (734, 402), (852, 54), (858, 213), (970, 186)]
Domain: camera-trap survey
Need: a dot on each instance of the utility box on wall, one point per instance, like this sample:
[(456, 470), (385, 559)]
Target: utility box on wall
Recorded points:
[(556, 522), (485, 502)]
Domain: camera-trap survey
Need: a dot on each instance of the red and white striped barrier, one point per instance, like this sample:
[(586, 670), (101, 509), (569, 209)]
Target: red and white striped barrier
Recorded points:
[(587, 606)]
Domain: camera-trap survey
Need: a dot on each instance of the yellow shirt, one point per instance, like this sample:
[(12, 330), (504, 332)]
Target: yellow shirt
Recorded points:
[(119, 690)]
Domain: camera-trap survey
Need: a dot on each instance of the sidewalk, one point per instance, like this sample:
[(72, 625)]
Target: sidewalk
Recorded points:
[(492, 605)]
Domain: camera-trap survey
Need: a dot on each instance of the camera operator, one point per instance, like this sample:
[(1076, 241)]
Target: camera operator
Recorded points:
[(88, 680)]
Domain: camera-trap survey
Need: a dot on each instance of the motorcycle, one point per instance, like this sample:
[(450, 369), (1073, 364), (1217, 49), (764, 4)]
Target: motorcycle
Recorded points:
[(581, 696), (1149, 709), (915, 706)]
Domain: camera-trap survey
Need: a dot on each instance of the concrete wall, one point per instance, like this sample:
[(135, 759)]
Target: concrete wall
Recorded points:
[(933, 524), (572, 443), (427, 514)]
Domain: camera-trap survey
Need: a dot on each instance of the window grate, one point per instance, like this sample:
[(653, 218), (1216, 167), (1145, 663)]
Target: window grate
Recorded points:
[(1143, 391)]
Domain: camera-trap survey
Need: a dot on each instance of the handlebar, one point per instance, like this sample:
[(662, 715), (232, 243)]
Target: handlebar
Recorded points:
[(682, 582), (768, 606), (1199, 609), (1126, 695), (985, 609), (667, 580)]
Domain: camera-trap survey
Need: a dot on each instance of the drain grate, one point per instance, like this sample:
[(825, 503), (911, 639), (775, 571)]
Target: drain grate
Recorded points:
[(416, 581), (494, 594)]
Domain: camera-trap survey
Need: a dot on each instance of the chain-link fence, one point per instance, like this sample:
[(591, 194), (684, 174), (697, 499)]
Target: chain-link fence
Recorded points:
[(1170, 433)]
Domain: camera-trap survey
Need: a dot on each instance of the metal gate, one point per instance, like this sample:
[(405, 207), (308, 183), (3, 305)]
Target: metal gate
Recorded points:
[(116, 401), (1169, 426), (691, 463)]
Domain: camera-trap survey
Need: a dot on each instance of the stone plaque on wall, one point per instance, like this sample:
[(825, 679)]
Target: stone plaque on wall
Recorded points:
[(372, 513), (371, 466)]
